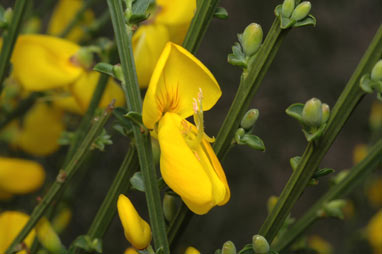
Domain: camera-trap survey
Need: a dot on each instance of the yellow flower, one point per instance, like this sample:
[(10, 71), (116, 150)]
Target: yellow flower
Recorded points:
[(18, 176), (136, 230), (320, 245), (191, 250), (62, 219), (11, 223), (374, 192), (64, 13), (43, 62), (48, 237), (131, 250), (169, 22), (373, 232), (188, 164), (359, 153), (42, 127)]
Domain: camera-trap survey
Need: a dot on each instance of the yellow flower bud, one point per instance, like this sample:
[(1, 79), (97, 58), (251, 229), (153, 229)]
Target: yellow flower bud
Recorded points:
[(272, 200), (191, 250), (359, 153), (375, 119), (48, 237), (62, 219), (373, 232), (131, 250), (136, 230), (319, 244), (376, 73)]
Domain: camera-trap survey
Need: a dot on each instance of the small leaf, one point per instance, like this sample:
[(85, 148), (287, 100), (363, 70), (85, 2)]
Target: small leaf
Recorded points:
[(119, 114), (237, 58), (367, 84), (295, 111), (294, 161), (221, 13), (104, 68), (134, 117), (139, 11), (286, 22), (253, 141), (310, 20), (314, 135), (323, 172), (247, 249), (278, 10), (137, 181)]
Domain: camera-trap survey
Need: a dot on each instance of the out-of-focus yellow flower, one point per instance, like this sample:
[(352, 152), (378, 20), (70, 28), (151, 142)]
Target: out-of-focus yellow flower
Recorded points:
[(375, 119), (131, 250), (188, 164), (62, 219), (11, 223), (320, 245), (373, 232), (48, 237), (18, 176), (64, 13), (42, 127), (42, 62), (191, 250), (136, 230), (374, 192), (348, 210), (169, 22), (359, 153), (82, 91)]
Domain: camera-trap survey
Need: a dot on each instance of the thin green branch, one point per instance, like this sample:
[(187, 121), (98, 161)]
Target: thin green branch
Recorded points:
[(356, 176), (23, 106), (314, 153), (123, 35), (10, 38), (62, 180)]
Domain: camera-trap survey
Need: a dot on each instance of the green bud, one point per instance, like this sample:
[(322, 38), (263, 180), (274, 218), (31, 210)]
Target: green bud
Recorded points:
[(260, 244), (340, 176), (239, 134), (312, 113), (8, 14), (252, 38), (249, 119), (84, 57), (287, 8), (156, 150), (302, 10), (169, 206), (272, 200), (325, 112), (117, 70), (334, 208), (228, 248), (376, 73)]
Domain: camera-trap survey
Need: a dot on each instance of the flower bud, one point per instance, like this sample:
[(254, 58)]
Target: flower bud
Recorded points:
[(228, 248), (252, 38), (62, 219), (191, 250), (169, 206), (156, 150), (302, 10), (8, 14), (84, 57), (287, 8), (334, 208), (117, 70), (375, 119), (48, 237), (260, 244), (312, 113), (249, 119), (340, 176), (272, 200), (376, 73), (325, 112), (239, 134)]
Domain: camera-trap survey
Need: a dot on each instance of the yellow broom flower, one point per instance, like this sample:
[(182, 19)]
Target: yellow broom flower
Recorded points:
[(136, 230), (191, 250), (188, 163), (18, 176), (11, 223), (373, 232)]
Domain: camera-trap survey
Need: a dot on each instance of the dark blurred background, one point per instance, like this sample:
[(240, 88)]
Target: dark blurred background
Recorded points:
[(312, 62)]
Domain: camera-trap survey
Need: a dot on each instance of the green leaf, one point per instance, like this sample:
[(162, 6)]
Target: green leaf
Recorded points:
[(253, 141), (104, 68), (278, 10), (294, 161), (237, 58), (295, 111), (137, 181), (221, 13), (323, 172), (314, 135), (367, 84), (286, 22), (247, 249), (102, 140), (119, 114), (310, 20), (139, 12), (86, 243)]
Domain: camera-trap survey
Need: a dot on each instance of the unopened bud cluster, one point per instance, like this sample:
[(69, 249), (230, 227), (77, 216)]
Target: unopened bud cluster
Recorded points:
[(315, 113), (243, 134), (373, 81), (291, 15)]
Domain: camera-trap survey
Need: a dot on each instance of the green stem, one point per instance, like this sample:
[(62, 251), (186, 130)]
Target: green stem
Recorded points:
[(10, 38), (314, 153), (86, 120), (123, 35), (77, 18), (63, 179), (356, 176), (23, 106), (200, 23)]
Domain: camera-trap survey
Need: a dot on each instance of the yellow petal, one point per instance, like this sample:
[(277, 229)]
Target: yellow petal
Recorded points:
[(19, 176), (176, 81), (11, 223), (47, 236), (64, 13), (82, 90), (195, 174), (136, 230), (320, 245), (148, 42), (175, 12), (42, 62), (130, 251), (67, 103), (41, 130), (191, 250), (373, 230)]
